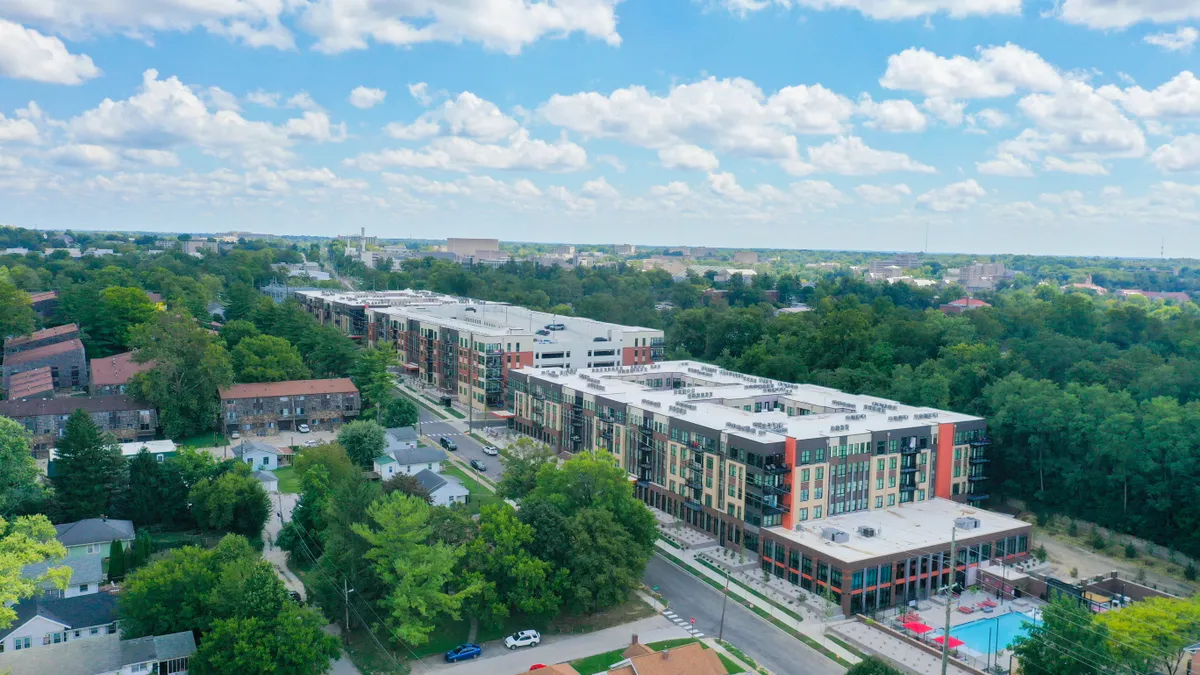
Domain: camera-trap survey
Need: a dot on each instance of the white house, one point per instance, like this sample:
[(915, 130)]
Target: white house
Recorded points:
[(106, 655), (94, 536), (401, 438), (259, 455), (410, 461), (87, 573), (269, 482), (443, 491), (43, 623)]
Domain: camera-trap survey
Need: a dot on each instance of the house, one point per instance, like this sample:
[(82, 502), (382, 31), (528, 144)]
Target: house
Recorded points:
[(401, 438), (410, 461), (258, 455), (442, 491), (270, 407), (962, 305), (66, 360), (111, 374), (689, 659), (87, 573), (94, 536), (124, 417), (44, 303), (31, 384), (268, 480), (44, 622), (108, 654)]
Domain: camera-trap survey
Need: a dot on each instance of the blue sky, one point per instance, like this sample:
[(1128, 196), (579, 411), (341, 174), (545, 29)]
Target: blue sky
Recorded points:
[(999, 125)]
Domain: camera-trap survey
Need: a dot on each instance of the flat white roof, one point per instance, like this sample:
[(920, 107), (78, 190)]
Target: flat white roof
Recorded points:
[(501, 319), (923, 526), (133, 448), (713, 393)]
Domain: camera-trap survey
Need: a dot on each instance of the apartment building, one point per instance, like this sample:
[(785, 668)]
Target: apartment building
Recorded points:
[(58, 349), (126, 418), (850, 493), (348, 311), (268, 408), (467, 348), (111, 374)]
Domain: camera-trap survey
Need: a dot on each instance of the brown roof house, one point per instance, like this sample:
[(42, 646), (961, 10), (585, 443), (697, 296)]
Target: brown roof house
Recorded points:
[(41, 338), (124, 417), (111, 374), (640, 659), (271, 407), (66, 361), (36, 383)]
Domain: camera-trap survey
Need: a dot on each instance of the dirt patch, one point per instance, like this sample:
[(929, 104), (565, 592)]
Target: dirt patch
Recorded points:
[(1067, 553)]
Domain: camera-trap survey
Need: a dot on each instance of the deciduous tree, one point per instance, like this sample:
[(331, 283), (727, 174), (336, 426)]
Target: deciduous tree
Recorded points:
[(20, 484), (1058, 644), (363, 440), (233, 502), (24, 541), (265, 358), (522, 462), (16, 312)]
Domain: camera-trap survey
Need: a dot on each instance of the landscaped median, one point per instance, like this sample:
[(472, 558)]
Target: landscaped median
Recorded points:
[(734, 594)]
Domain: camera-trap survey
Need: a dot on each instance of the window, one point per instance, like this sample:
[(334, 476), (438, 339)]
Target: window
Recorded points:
[(892, 464), (880, 464), (804, 475), (820, 473), (83, 588), (818, 493), (94, 631), (158, 458), (879, 502), (817, 512), (803, 514), (891, 500), (92, 548), (878, 483)]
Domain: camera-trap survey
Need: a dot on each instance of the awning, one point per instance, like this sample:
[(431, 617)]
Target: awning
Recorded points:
[(411, 366), (954, 642), (503, 414), (918, 627)]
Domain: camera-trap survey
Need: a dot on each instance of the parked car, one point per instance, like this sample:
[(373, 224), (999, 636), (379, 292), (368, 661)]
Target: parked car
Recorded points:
[(448, 444), (542, 331), (490, 450), (311, 443), (525, 638), (302, 428), (235, 435), (463, 652), (556, 326), (537, 666), (296, 597), (478, 465)]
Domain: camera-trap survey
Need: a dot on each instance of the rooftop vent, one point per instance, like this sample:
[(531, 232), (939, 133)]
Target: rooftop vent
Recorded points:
[(966, 523), (835, 535), (865, 531)]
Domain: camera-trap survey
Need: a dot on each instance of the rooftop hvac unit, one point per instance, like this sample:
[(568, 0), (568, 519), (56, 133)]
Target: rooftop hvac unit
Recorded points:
[(866, 531), (835, 535), (966, 523)]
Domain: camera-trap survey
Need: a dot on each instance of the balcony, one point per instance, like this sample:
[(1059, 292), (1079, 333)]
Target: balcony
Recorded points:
[(538, 395), (777, 507), (777, 469), (908, 488), (976, 478), (908, 469), (980, 442), (977, 497), (784, 489), (607, 435), (695, 484), (576, 421), (696, 466), (646, 431), (693, 504), (909, 450)]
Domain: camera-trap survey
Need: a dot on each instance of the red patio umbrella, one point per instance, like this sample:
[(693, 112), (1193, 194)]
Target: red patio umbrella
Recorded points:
[(918, 627), (954, 642)]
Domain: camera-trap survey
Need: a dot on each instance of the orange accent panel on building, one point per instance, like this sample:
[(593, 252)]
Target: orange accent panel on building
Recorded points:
[(945, 460), (789, 456)]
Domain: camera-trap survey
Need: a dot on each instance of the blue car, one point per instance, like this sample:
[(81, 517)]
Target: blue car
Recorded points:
[(463, 652)]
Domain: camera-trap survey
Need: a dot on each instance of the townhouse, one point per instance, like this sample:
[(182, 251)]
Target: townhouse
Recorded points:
[(268, 408), (848, 494)]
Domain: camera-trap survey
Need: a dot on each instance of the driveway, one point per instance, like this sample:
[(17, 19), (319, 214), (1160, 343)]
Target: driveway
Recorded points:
[(496, 660)]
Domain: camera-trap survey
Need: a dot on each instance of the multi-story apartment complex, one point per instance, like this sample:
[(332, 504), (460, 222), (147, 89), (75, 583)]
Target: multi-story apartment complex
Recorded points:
[(58, 349), (848, 494), (271, 407), (127, 419), (111, 374), (466, 348)]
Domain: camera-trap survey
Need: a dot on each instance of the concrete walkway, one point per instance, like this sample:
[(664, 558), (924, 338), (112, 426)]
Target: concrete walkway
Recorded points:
[(908, 658), (811, 625)]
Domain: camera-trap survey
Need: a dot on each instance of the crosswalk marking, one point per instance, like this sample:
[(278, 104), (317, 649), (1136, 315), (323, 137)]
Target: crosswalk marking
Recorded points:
[(670, 614), (697, 634)]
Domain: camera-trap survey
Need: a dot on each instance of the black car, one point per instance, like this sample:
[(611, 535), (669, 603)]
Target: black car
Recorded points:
[(478, 465), (296, 597), (448, 444)]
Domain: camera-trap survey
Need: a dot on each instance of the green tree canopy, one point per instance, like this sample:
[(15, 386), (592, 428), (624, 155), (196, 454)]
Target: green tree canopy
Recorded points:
[(265, 358), (89, 473), (512, 578), (233, 332), (1068, 641), (332, 456), (364, 440), (522, 462), (20, 483), (233, 502), (399, 412), (27, 540), (16, 312), (119, 309)]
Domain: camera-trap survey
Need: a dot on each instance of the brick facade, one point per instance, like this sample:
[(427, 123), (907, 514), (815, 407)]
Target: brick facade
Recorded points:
[(269, 408), (122, 416)]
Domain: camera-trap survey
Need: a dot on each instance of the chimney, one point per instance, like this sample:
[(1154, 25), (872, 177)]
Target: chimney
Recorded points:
[(666, 653), (634, 641)]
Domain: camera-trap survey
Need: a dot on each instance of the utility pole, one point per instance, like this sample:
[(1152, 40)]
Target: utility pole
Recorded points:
[(346, 597), (949, 596), (724, 601)]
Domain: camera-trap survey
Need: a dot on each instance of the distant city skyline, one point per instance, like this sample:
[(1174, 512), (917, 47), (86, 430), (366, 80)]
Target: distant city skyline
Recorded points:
[(1005, 126)]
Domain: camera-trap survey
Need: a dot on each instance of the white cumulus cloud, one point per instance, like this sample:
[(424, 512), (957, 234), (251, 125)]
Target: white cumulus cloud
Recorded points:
[(883, 194), (687, 156), (1181, 40), (26, 54), (1108, 14), (1005, 164), (897, 115), (454, 153), (1083, 167), (953, 197), (366, 97)]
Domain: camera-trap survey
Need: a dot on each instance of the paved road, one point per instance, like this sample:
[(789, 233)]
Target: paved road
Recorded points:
[(689, 597), (496, 660), (468, 448)]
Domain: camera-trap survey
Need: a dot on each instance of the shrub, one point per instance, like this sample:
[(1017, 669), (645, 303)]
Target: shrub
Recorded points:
[(1189, 572), (1072, 529), (1130, 551), (1098, 542), (1041, 553), (1074, 572)]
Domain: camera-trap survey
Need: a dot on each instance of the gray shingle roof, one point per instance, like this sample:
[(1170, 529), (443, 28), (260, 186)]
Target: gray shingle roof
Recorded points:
[(157, 648), (96, 655), (81, 611), (418, 455), (403, 433), (251, 446), (430, 480), (94, 531), (265, 477), (85, 569)]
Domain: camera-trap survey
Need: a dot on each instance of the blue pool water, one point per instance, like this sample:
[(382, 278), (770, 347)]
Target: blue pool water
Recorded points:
[(1003, 630)]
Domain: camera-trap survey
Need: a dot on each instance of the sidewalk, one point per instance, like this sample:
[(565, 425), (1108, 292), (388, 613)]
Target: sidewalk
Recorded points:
[(811, 625)]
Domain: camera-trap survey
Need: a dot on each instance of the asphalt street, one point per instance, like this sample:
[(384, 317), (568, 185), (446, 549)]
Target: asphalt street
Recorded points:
[(689, 598), (434, 428)]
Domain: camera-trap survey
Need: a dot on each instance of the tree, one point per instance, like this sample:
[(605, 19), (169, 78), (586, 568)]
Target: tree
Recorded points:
[(512, 578), (522, 462), (233, 332), (181, 579), (293, 642), (16, 311), (1056, 645), (363, 440), (332, 456), (119, 309), (247, 588), (89, 473), (20, 484), (149, 499), (415, 574), (302, 534), (190, 367), (1152, 635), (409, 485), (265, 358), (116, 561), (243, 300), (371, 376), (233, 502), (451, 525), (399, 412), (345, 549), (24, 541), (872, 665)]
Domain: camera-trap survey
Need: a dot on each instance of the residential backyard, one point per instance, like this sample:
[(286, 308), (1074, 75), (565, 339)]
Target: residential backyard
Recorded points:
[(289, 482), (480, 495)]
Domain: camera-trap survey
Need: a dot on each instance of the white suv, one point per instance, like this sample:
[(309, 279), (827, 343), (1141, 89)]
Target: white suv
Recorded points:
[(525, 638), (490, 450)]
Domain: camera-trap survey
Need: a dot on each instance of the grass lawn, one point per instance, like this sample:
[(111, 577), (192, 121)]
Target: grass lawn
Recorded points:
[(289, 482), (205, 440), (479, 494), (600, 662)]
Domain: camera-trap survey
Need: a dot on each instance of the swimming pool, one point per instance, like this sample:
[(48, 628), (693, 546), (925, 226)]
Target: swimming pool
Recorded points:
[(993, 633)]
